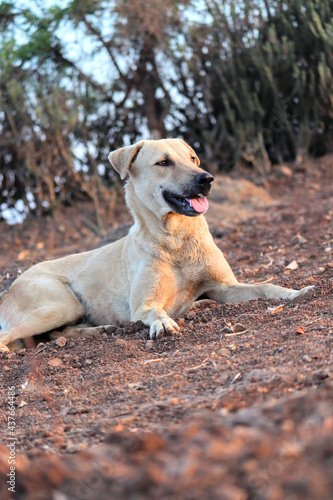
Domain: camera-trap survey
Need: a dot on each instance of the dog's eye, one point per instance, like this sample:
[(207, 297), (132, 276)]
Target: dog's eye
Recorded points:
[(193, 158), (163, 163)]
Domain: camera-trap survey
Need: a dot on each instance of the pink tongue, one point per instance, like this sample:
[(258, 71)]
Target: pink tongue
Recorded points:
[(199, 204)]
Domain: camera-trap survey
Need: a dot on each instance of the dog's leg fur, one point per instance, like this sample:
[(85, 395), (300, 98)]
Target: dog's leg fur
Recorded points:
[(151, 310), (53, 305), (241, 292)]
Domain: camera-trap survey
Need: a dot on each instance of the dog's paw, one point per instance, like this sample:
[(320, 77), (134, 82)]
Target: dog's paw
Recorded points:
[(161, 325), (296, 293)]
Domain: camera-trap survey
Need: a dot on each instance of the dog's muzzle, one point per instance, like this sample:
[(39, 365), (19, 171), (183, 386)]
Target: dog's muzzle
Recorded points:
[(194, 202)]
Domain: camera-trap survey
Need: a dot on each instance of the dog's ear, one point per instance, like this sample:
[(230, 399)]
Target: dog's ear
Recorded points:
[(121, 159)]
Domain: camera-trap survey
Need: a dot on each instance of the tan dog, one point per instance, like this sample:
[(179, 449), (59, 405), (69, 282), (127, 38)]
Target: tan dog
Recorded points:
[(166, 262)]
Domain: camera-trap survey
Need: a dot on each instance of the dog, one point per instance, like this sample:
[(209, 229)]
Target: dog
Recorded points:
[(166, 262)]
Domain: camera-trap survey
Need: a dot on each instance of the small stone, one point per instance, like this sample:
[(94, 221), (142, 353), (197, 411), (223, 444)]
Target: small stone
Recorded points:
[(136, 386), (6, 368), (120, 342), (300, 330), (47, 434), (224, 377), (238, 327), (142, 335), (110, 329), (119, 331), (75, 448), (232, 347), (61, 341), (89, 361), (307, 358), (259, 375), (191, 315), (292, 266), (283, 171), (223, 352), (54, 362), (149, 345)]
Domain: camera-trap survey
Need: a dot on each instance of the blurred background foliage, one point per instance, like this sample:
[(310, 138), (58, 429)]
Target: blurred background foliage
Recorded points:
[(240, 81)]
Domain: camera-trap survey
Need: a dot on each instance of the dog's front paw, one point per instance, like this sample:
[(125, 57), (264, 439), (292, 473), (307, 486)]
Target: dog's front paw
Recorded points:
[(161, 325), (296, 293)]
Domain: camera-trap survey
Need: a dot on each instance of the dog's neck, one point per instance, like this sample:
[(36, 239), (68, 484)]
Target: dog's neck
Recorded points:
[(171, 233)]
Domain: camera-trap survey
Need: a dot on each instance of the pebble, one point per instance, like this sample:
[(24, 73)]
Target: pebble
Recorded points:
[(223, 352), (54, 362), (119, 331), (191, 315), (259, 375), (61, 341), (110, 329), (136, 386), (238, 327), (149, 345), (121, 342), (223, 378), (141, 336), (292, 266)]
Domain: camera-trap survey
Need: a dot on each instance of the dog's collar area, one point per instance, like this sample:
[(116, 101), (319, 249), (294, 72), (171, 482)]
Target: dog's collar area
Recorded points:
[(191, 206)]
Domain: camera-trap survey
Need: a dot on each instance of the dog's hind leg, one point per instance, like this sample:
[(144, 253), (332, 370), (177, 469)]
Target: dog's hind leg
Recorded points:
[(241, 292), (42, 307)]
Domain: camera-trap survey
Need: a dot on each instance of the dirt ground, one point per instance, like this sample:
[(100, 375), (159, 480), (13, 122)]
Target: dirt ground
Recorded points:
[(237, 406)]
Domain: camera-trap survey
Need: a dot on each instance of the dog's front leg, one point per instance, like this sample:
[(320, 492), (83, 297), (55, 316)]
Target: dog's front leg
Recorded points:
[(240, 292), (152, 297), (157, 319)]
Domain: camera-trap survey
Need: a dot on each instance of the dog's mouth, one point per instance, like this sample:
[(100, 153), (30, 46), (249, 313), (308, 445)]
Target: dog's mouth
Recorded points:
[(187, 205)]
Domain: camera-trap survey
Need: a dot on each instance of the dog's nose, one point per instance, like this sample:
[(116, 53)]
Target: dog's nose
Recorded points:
[(205, 179)]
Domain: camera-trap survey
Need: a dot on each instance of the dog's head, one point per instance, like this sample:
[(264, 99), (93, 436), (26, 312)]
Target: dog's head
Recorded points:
[(165, 175)]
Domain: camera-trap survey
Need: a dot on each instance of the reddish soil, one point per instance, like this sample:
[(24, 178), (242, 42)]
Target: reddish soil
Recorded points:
[(237, 406)]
